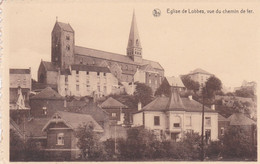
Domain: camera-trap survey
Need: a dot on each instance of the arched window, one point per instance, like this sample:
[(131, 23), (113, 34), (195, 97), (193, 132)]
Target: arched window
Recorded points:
[(60, 139), (137, 42)]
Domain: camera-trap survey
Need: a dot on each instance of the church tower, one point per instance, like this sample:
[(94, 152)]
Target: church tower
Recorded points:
[(62, 45), (134, 48)]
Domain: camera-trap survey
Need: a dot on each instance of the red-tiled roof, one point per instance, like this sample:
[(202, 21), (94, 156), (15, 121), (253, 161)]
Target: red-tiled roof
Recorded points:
[(80, 67), (48, 93), (240, 119), (113, 57), (112, 103), (19, 71)]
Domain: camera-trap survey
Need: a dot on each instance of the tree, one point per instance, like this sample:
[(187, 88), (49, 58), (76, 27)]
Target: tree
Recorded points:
[(245, 92), (237, 143), (17, 147), (213, 84), (140, 144), (88, 143), (143, 93), (189, 83)]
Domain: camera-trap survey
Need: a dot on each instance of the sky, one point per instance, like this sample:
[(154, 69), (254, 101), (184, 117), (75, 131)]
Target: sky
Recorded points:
[(226, 45)]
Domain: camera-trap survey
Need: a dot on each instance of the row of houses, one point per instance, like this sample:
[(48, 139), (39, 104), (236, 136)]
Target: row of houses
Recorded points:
[(73, 89)]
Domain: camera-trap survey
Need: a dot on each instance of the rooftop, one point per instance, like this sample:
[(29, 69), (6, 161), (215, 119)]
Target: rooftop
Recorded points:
[(19, 71), (112, 103), (48, 93)]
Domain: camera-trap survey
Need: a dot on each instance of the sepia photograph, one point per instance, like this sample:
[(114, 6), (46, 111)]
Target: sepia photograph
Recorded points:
[(109, 81)]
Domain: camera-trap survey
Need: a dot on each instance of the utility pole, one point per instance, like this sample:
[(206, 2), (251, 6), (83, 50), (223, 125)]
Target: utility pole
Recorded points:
[(202, 129)]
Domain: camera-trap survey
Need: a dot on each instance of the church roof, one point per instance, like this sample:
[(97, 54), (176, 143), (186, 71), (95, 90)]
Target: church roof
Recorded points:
[(112, 103), (80, 67), (19, 71), (65, 26), (175, 81), (199, 70), (48, 93), (240, 119), (49, 66), (113, 57)]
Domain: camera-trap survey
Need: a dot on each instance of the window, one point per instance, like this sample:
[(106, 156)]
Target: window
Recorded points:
[(67, 37), (77, 87), (150, 81), (188, 120), (98, 73), (44, 110), (155, 82), (66, 79), (98, 88), (68, 47), (60, 139), (77, 72), (176, 122), (104, 74), (157, 120), (87, 73), (222, 132), (113, 114), (207, 121), (176, 125)]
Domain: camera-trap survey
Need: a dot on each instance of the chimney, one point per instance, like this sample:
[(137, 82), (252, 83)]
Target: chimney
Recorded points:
[(190, 97), (139, 105), (213, 107)]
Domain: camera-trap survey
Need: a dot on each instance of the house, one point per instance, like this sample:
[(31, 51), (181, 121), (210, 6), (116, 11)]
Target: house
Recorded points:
[(46, 103), (61, 141), (199, 75), (223, 124), (172, 116), (247, 124), (84, 80), (80, 71), (20, 79), (116, 110)]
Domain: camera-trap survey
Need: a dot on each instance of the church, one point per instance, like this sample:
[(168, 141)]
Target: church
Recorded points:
[(82, 71)]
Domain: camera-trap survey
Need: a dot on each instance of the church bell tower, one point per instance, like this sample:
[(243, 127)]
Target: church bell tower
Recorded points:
[(62, 45), (134, 48)]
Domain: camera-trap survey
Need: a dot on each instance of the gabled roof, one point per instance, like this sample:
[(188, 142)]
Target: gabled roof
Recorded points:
[(222, 118), (33, 127), (112, 103), (19, 71), (73, 120), (48, 93), (175, 81), (112, 56), (199, 70), (65, 26), (240, 119), (89, 108), (49, 66), (80, 67)]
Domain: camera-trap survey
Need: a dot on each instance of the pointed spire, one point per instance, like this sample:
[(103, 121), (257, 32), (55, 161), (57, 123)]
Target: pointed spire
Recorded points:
[(134, 40), (175, 101)]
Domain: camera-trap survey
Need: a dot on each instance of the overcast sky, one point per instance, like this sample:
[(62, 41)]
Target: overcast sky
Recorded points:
[(226, 45)]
